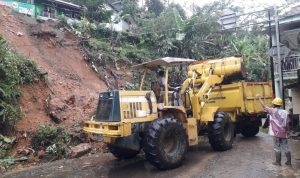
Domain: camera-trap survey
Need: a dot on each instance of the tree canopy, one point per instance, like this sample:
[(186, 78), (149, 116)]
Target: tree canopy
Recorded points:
[(165, 30), (155, 6)]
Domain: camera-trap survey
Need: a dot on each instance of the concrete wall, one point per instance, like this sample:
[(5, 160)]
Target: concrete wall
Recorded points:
[(295, 93)]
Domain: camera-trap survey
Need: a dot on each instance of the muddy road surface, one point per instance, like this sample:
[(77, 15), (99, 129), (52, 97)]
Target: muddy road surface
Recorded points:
[(249, 158)]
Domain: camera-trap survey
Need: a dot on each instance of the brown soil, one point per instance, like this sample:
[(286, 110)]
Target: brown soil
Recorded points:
[(69, 76)]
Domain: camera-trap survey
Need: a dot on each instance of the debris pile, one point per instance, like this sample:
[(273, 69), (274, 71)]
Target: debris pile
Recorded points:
[(43, 29)]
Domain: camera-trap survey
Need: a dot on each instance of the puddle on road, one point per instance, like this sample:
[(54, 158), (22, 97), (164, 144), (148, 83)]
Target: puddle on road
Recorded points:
[(285, 171), (139, 167)]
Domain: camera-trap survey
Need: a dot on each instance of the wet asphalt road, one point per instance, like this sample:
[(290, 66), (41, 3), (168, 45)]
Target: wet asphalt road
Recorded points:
[(248, 158)]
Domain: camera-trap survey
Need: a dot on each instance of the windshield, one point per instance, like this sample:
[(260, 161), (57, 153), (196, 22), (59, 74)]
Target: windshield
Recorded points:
[(108, 107), (104, 109)]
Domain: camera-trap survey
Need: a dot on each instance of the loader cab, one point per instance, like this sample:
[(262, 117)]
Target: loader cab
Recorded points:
[(167, 95)]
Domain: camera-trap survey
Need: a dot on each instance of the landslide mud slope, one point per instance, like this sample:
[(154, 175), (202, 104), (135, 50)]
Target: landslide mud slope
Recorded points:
[(72, 88)]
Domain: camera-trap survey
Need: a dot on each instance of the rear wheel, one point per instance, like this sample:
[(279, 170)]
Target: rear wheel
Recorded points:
[(122, 153), (249, 130), (165, 143), (221, 132)]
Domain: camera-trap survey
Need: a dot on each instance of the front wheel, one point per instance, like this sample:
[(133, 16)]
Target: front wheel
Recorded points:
[(165, 143), (221, 132)]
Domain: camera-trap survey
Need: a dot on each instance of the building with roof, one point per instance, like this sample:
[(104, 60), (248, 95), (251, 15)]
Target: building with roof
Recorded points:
[(45, 9), (117, 23), (289, 37), (55, 8)]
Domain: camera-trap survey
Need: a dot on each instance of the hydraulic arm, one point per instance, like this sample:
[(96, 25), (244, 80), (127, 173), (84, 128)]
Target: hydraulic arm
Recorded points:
[(203, 76)]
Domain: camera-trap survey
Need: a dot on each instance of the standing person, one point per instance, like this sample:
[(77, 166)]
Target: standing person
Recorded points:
[(161, 80), (279, 129)]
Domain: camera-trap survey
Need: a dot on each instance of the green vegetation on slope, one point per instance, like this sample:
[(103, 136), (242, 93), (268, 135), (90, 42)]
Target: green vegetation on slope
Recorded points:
[(156, 34), (53, 140), (15, 70)]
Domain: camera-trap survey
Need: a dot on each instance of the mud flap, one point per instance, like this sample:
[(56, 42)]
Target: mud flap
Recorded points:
[(132, 142)]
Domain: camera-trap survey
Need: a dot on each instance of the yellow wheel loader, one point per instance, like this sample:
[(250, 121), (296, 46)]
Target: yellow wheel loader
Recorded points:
[(165, 123)]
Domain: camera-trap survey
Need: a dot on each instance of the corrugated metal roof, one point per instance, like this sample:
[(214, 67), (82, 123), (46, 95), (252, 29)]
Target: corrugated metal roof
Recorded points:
[(66, 3)]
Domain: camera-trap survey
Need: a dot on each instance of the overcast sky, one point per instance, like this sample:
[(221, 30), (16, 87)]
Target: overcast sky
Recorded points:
[(250, 5), (248, 2)]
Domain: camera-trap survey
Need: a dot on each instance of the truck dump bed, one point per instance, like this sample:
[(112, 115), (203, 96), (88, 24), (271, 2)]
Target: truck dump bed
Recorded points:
[(250, 90), (242, 95)]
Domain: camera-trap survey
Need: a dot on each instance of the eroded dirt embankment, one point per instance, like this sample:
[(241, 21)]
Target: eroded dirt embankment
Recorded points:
[(71, 89)]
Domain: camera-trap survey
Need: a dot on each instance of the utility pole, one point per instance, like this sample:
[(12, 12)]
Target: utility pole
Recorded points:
[(278, 60), (271, 58)]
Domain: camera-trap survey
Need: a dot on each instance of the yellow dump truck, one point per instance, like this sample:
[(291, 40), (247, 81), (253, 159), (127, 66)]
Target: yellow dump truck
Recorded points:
[(212, 101)]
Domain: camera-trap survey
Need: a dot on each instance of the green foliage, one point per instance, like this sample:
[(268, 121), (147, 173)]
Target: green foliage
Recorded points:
[(6, 144), (253, 48), (53, 139), (15, 70), (157, 34), (179, 9), (155, 6), (160, 33), (9, 161), (130, 7), (101, 53), (95, 10), (9, 114), (204, 39)]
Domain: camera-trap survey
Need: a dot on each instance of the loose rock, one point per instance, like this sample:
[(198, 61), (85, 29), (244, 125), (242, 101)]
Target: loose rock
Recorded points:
[(80, 150)]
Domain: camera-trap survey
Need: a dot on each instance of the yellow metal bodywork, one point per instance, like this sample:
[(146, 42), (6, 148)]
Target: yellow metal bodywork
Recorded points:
[(192, 131), (221, 67), (206, 96), (209, 96), (234, 99), (131, 102), (108, 129)]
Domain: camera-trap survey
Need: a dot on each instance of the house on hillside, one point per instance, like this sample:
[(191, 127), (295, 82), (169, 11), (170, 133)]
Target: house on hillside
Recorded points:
[(23, 6), (54, 8), (44, 9), (289, 32), (117, 23)]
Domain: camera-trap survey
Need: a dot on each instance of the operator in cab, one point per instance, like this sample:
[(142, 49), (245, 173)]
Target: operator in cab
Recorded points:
[(161, 80), (174, 97), (279, 129)]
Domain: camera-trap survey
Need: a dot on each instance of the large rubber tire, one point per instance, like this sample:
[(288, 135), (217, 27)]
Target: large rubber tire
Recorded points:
[(221, 132), (122, 153), (249, 130), (165, 143)]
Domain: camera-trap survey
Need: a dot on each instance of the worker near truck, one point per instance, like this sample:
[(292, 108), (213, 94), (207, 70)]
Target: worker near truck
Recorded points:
[(279, 123)]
